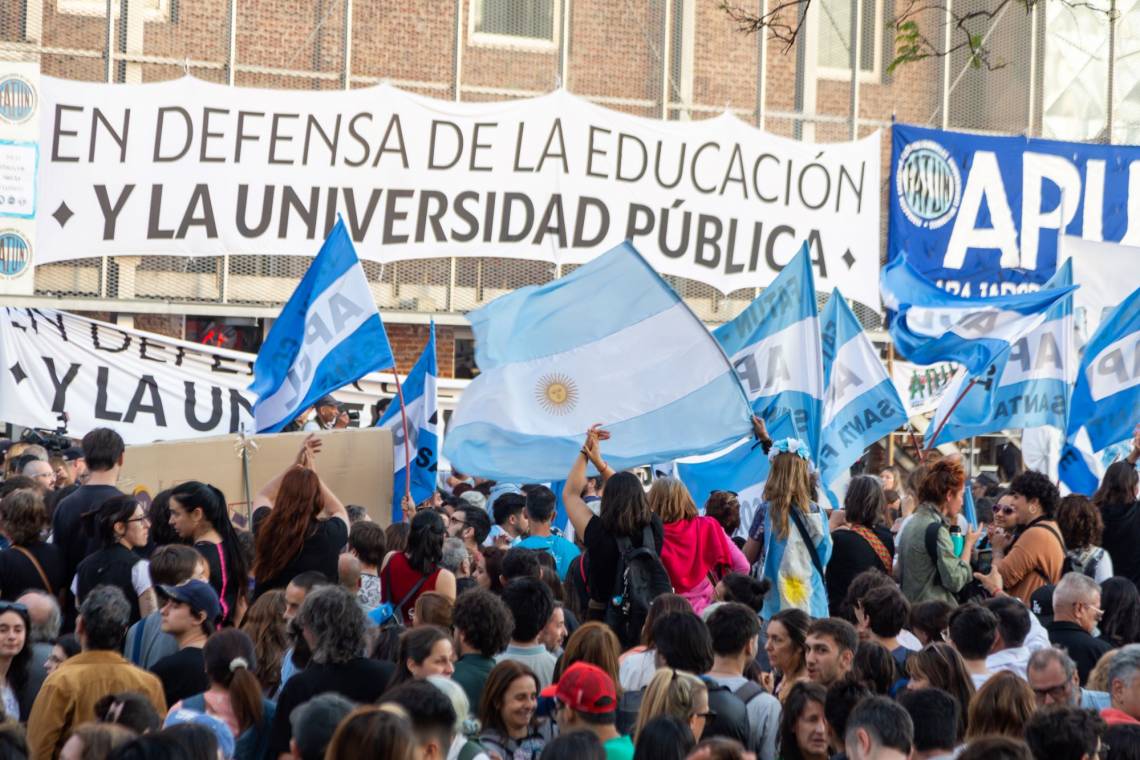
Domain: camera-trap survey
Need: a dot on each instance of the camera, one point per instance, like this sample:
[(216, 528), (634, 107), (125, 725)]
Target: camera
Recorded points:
[(55, 441)]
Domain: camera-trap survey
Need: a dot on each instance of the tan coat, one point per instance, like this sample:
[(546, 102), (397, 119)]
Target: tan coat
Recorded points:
[(1033, 561)]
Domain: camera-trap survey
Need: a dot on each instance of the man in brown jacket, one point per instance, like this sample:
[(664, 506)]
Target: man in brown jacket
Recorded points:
[(68, 695), (1034, 556)]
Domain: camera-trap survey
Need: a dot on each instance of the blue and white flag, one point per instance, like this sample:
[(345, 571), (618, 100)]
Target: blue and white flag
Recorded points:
[(421, 404), (861, 403), (930, 325), (609, 343), (775, 346), (1107, 390), (328, 335), (1026, 386)]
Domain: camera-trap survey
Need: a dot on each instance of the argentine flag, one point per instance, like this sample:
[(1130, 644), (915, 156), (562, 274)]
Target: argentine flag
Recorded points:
[(930, 325), (861, 404), (328, 335), (610, 343), (1107, 391), (774, 345), (1026, 386), (422, 409)]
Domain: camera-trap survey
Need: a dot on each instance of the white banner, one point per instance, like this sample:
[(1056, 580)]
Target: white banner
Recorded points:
[(192, 167), (1104, 271), (921, 387), (145, 386), (19, 159)]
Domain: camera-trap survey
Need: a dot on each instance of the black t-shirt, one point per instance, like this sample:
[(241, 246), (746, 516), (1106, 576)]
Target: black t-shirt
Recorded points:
[(360, 680), (851, 554), (18, 574), (183, 674), (67, 526), (221, 577), (603, 556), (320, 552), (1121, 537)]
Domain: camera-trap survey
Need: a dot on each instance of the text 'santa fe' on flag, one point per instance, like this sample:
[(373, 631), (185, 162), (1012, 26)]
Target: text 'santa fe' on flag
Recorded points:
[(610, 343)]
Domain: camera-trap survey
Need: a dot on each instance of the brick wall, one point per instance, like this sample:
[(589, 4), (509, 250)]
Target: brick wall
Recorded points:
[(408, 342)]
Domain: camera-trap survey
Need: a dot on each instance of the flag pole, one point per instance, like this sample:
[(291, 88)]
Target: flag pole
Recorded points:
[(407, 443), (953, 406)]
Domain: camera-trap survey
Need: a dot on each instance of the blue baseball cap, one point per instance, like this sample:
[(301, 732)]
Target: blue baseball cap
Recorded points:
[(198, 595)]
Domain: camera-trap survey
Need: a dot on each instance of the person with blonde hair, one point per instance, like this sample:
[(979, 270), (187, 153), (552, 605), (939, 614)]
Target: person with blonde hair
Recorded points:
[(1002, 707), (677, 693), (697, 552), (789, 535)]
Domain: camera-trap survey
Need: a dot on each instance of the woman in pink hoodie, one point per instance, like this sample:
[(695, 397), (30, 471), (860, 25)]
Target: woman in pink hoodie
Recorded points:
[(697, 552)]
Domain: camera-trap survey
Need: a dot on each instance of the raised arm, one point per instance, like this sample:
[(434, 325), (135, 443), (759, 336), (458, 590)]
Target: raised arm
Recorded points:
[(268, 493), (576, 508)]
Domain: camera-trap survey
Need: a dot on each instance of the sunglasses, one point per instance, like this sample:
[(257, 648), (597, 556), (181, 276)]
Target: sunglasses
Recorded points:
[(13, 606), (999, 509)]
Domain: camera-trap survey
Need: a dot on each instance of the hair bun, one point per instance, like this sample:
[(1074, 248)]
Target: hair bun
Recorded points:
[(238, 662)]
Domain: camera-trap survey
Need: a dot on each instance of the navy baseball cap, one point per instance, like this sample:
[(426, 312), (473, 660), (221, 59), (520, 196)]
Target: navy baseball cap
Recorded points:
[(73, 453), (326, 400), (198, 595)]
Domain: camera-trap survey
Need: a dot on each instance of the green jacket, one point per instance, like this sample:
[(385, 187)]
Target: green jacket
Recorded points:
[(922, 578)]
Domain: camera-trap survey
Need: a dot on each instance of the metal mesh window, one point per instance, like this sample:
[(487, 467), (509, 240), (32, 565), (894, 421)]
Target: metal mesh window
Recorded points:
[(533, 19)]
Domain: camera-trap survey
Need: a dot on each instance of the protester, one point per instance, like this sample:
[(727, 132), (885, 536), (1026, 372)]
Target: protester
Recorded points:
[(297, 655), (734, 630), (696, 551), (482, 625), (794, 530), (373, 731), (881, 615), (314, 723), (30, 562), (938, 666), (1053, 676), (578, 745), (531, 605), (638, 664), (424, 651), (234, 694), (878, 729), (929, 566), (121, 525), (1116, 498), (928, 621), (973, 632), (1076, 612), (432, 715), (1124, 687), (586, 700), (678, 693), (266, 627), (724, 507), (190, 613), (553, 634), (147, 642), (861, 542), (803, 728), (334, 624), (408, 573), (66, 647), (470, 524), (1064, 733), (625, 516), (874, 666), (1003, 705), (1013, 623), (299, 523), (1082, 529), (787, 651), (368, 544), (130, 709), (596, 644), (830, 648), (44, 621), (200, 514), (664, 738), (19, 683), (68, 696), (1120, 602), (95, 741), (507, 711), (1035, 556), (935, 716)]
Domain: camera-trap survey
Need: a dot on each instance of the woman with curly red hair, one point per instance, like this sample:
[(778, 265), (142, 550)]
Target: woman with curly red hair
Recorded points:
[(299, 525)]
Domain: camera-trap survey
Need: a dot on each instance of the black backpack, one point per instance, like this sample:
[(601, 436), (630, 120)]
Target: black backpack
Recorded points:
[(640, 579), (731, 708)]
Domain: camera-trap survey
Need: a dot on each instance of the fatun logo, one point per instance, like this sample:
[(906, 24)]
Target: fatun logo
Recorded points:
[(17, 99), (928, 184), (15, 254)]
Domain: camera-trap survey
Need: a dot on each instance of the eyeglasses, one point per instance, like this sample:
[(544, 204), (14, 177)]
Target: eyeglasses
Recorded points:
[(1058, 692), (1096, 610)]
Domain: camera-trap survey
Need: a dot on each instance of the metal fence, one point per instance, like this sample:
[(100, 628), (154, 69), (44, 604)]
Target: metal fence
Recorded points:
[(1066, 71)]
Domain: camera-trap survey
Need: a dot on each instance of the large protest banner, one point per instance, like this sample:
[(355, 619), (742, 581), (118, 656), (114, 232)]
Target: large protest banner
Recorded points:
[(192, 167), (981, 215), (146, 386)]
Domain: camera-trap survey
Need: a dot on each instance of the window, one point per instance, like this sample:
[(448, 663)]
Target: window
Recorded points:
[(834, 38), (152, 10), (515, 23)]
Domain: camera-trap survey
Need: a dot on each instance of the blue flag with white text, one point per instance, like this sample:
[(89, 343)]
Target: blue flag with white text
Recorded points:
[(609, 343), (1106, 394), (421, 404), (929, 325), (1026, 386), (328, 335), (861, 403), (774, 345)]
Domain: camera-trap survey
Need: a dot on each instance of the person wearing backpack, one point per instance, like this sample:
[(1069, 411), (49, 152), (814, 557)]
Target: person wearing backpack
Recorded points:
[(1082, 527), (789, 535), (623, 544), (1035, 557), (735, 631)]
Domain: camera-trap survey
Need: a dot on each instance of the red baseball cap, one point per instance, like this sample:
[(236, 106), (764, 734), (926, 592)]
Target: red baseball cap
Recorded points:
[(585, 688)]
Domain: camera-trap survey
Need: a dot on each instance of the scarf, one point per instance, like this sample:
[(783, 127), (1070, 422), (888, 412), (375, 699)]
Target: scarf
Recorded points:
[(877, 545), (691, 549)]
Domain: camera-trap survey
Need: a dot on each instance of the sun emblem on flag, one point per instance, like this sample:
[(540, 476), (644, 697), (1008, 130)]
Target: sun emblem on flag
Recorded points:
[(556, 393)]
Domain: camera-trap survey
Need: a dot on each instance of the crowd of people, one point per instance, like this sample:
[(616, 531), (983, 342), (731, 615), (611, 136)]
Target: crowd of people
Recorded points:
[(649, 627)]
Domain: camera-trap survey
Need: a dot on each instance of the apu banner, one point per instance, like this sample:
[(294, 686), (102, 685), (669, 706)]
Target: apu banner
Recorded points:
[(192, 167), (981, 215), (145, 386)]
